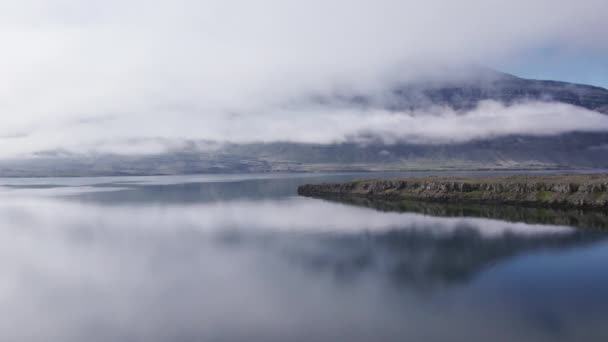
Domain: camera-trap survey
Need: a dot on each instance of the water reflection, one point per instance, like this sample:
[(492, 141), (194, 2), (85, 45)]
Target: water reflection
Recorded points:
[(245, 260), (587, 219), (412, 258)]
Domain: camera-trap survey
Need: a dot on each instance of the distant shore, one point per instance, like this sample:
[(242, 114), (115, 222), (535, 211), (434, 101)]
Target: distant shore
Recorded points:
[(585, 191)]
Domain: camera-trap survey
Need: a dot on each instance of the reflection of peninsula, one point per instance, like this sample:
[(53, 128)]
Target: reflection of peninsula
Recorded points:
[(590, 219), (412, 258)]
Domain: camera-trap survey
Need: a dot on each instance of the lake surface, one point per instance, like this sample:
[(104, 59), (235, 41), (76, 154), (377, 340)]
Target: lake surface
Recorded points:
[(243, 258)]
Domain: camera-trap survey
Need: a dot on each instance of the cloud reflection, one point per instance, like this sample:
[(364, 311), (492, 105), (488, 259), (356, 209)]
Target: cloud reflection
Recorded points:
[(267, 270)]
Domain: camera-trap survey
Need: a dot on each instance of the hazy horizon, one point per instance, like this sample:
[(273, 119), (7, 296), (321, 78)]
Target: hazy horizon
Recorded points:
[(139, 77)]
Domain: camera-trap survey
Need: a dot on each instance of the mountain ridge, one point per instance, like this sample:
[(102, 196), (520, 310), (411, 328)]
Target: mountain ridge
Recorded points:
[(461, 93), (465, 90)]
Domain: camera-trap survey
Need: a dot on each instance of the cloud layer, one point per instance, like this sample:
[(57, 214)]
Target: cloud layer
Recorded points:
[(437, 125), (79, 73)]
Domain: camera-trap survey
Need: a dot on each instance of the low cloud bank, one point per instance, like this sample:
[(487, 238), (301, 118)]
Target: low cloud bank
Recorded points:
[(139, 134)]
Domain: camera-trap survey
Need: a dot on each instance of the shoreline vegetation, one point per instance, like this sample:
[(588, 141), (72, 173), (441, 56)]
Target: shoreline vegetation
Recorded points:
[(568, 191)]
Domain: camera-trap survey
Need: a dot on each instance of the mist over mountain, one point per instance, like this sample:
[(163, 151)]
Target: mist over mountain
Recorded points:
[(493, 120), (468, 86), (150, 86)]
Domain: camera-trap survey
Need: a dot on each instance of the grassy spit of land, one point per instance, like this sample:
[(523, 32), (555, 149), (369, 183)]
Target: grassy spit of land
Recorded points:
[(589, 191)]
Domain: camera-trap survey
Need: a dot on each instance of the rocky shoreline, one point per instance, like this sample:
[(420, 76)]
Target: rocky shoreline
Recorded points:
[(584, 191)]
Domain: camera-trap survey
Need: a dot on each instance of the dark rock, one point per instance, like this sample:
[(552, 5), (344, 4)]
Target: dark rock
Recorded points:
[(577, 190)]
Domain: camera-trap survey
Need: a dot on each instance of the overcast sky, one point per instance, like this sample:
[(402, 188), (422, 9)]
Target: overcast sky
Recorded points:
[(99, 75)]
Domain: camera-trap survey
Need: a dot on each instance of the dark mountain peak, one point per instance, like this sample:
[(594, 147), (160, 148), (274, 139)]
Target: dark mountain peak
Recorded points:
[(463, 88), (477, 73)]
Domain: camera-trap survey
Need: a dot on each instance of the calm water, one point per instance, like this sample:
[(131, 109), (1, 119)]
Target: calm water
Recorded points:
[(242, 258)]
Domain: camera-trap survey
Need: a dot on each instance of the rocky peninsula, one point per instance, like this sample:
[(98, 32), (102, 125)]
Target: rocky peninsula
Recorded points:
[(584, 191)]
